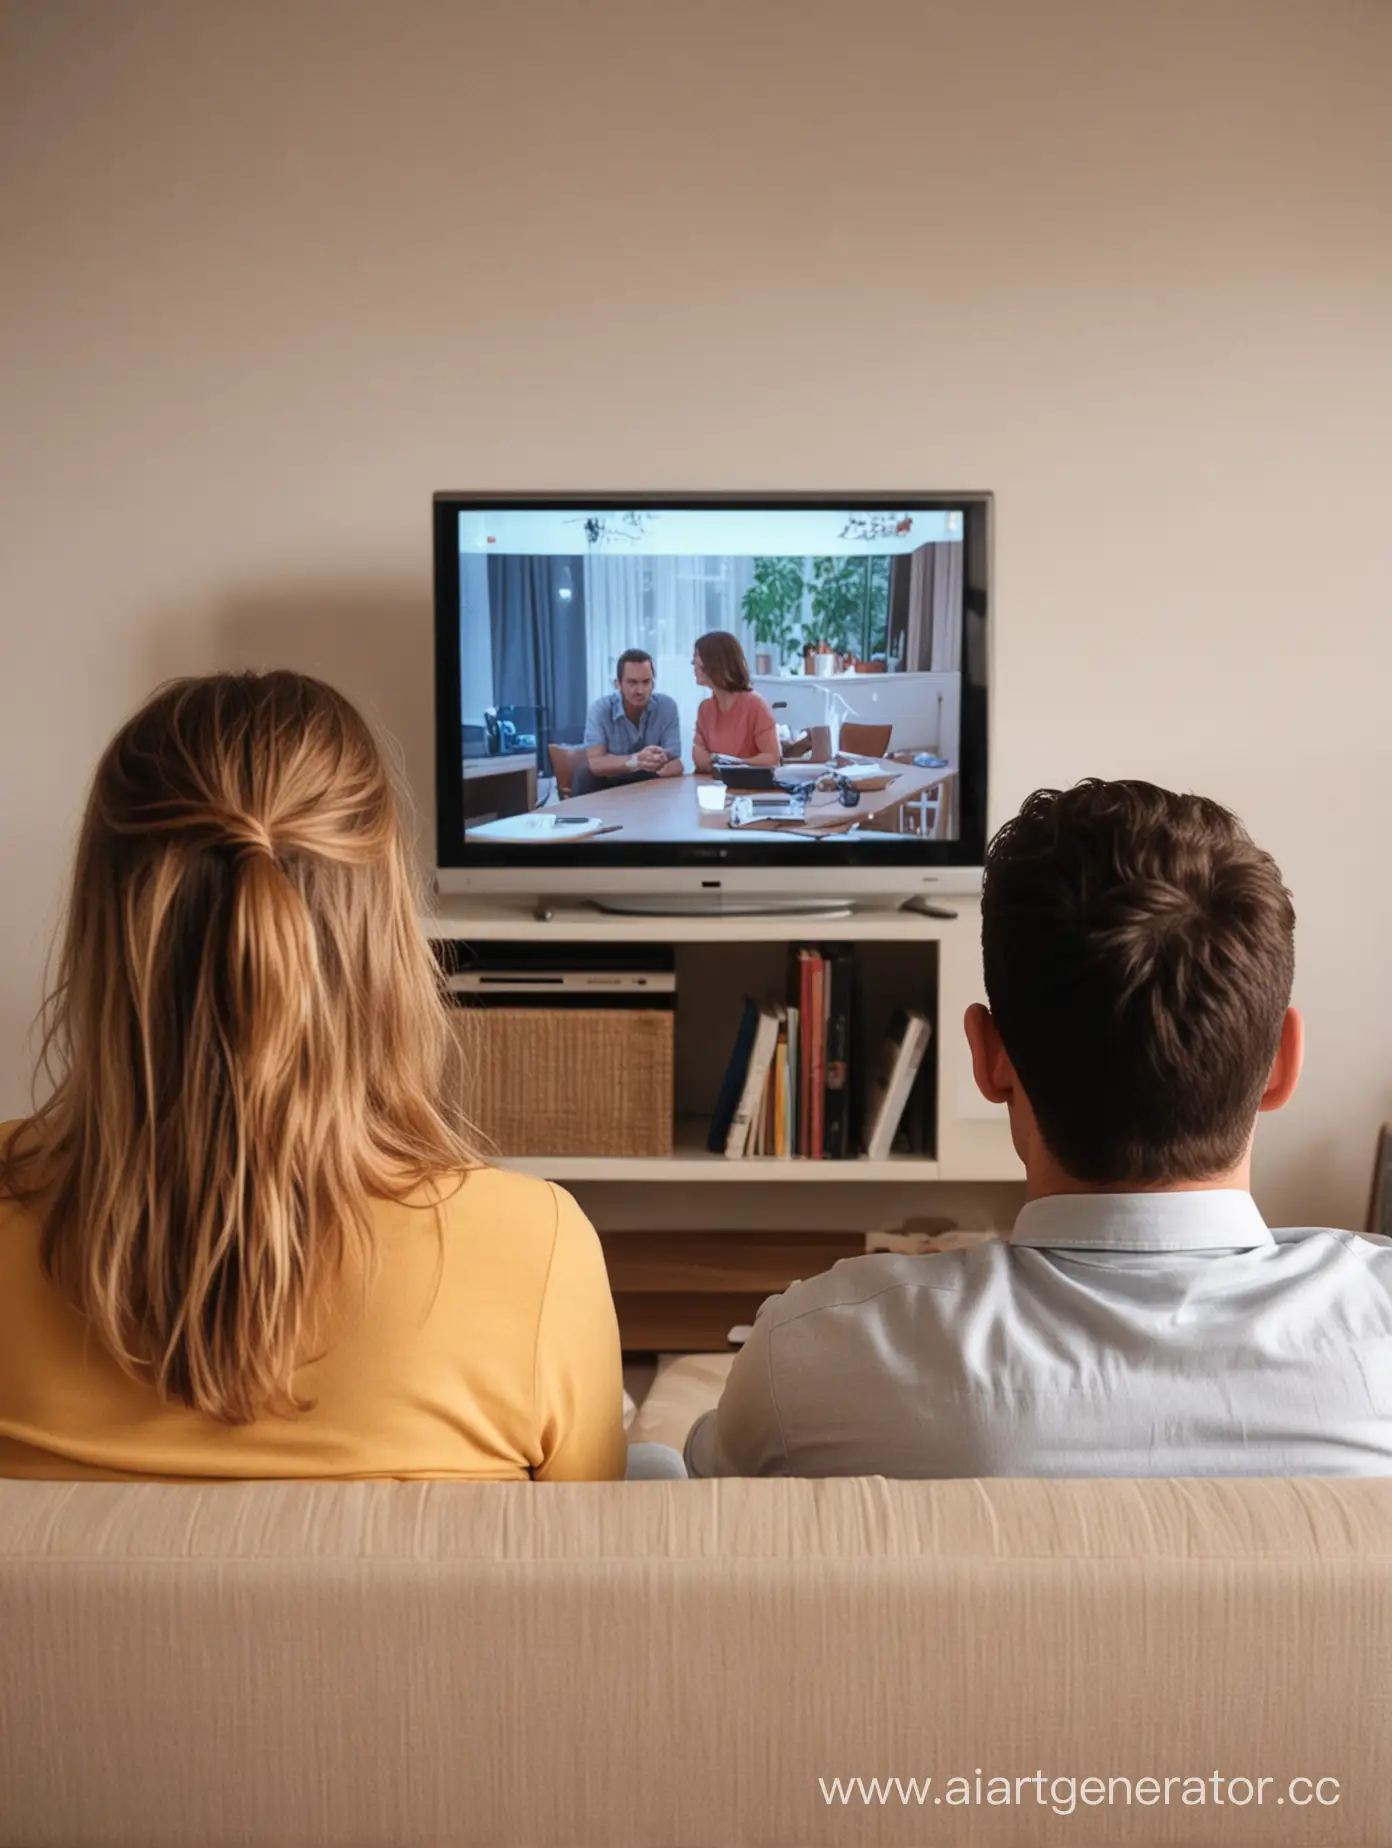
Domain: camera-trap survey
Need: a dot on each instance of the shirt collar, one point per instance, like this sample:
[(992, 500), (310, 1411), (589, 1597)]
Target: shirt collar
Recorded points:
[(1205, 1219)]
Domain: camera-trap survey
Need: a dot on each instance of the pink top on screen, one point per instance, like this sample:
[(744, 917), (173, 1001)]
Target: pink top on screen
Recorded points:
[(747, 729)]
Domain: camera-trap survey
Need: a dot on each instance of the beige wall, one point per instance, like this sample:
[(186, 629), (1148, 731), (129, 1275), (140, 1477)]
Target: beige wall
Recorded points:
[(273, 272)]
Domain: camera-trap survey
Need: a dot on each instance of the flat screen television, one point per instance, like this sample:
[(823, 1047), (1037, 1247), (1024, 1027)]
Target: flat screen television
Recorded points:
[(712, 701)]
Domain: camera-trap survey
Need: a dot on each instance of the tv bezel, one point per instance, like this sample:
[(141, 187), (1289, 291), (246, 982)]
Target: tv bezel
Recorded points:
[(891, 865)]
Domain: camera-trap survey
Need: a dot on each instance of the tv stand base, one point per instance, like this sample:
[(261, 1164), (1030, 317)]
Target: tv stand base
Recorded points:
[(718, 905)]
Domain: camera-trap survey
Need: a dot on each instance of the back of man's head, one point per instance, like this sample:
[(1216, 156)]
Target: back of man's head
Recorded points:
[(1139, 953)]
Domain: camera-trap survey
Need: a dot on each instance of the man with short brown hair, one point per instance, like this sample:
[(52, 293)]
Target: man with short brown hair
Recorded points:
[(632, 734), (1139, 951), (1141, 1319)]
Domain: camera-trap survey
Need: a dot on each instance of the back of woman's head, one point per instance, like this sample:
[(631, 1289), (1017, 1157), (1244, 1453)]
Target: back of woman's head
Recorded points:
[(246, 1036)]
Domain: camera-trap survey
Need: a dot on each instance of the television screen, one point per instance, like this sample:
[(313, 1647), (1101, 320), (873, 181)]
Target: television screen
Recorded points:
[(649, 682)]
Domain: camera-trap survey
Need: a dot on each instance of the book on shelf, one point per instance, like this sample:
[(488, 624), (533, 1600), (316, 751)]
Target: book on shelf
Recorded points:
[(779, 1131), (817, 1085), (803, 974), (799, 1084), (768, 1132), (761, 1136), (790, 1134), (836, 1087), (821, 987), (898, 1066), (748, 1112), (732, 1087)]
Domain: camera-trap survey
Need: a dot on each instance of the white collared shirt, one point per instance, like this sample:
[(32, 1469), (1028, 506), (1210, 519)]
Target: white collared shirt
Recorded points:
[(1168, 1334)]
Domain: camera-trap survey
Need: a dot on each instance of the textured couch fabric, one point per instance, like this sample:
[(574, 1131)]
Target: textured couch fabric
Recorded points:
[(681, 1663)]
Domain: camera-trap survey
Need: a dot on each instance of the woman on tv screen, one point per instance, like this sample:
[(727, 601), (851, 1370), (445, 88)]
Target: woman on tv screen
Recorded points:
[(735, 721)]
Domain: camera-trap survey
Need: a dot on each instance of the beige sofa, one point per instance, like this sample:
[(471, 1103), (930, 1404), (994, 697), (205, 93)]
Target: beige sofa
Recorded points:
[(681, 1663)]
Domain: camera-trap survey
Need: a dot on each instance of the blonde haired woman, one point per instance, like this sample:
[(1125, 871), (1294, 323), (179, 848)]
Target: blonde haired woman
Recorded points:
[(247, 1235)]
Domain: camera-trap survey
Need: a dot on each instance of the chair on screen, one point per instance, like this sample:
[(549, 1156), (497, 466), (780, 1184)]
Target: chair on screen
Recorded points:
[(865, 740), (565, 761), (814, 745), (923, 817)]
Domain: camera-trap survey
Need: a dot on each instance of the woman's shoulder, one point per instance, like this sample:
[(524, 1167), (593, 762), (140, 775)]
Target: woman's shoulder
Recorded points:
[(530, 1210), (494, 1230)]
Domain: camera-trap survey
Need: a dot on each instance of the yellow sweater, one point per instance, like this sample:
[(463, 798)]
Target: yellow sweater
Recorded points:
[(486, 1348)]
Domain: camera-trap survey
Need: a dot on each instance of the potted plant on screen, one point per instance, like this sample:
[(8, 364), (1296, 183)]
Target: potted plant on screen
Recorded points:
[(773, 607), (850, 606)]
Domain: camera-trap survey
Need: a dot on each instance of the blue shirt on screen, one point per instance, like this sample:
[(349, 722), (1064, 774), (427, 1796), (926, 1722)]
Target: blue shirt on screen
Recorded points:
[(609, 725)]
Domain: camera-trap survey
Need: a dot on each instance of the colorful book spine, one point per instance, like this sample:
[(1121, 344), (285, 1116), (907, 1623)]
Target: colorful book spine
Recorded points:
[(818, 1071), (794, 1028), (780, 1096), (761, 1055), (840, 971), (804, 1147), (732, 1087)]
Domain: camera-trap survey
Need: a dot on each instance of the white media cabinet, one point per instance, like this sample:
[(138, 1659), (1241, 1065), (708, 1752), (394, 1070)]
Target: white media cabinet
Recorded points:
[(906, 959)]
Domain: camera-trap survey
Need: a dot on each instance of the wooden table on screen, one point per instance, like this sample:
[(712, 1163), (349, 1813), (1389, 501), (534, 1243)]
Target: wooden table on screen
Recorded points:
[(666, 809)]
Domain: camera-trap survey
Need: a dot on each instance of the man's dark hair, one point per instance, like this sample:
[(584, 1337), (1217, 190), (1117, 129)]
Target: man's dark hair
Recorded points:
[(1139, 952), (635, 657)]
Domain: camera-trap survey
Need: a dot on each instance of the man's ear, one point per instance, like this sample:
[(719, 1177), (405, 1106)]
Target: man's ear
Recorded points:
[(991, 1068), (1285, 1067)]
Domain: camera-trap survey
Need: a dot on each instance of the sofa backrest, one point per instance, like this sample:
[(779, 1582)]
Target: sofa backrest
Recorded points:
[(681, 1663)]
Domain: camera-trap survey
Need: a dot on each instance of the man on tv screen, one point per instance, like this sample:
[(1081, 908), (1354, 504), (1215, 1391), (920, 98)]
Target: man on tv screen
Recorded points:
[(631, 734)]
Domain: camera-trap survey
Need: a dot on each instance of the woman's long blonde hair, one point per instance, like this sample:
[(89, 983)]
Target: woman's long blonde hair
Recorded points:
[(247, 1038)]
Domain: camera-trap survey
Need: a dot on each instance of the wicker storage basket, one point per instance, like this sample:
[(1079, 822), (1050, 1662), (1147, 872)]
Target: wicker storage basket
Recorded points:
[(569, 1081)]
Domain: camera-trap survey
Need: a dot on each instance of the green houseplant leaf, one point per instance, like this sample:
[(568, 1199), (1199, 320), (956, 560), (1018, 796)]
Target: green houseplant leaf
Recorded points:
[(773, 601)]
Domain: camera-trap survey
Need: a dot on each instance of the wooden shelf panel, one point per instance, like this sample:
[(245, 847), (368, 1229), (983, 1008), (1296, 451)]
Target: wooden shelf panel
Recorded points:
[(479, 922), (715, 1263), (691, 1160), (676, 1324)]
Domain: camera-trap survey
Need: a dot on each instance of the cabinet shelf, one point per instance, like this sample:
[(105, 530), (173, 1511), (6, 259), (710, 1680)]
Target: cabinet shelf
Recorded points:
[(906, 958), (691, 1160), (474, 921)]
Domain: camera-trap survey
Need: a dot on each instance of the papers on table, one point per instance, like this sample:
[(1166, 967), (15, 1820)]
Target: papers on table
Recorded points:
[(538, 829)]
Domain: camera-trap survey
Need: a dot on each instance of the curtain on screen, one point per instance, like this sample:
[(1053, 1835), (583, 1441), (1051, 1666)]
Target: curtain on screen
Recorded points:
[(934, 610), (537, 614)]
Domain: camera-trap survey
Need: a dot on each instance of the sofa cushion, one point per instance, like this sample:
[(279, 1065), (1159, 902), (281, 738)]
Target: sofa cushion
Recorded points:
[(671, 1664)]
